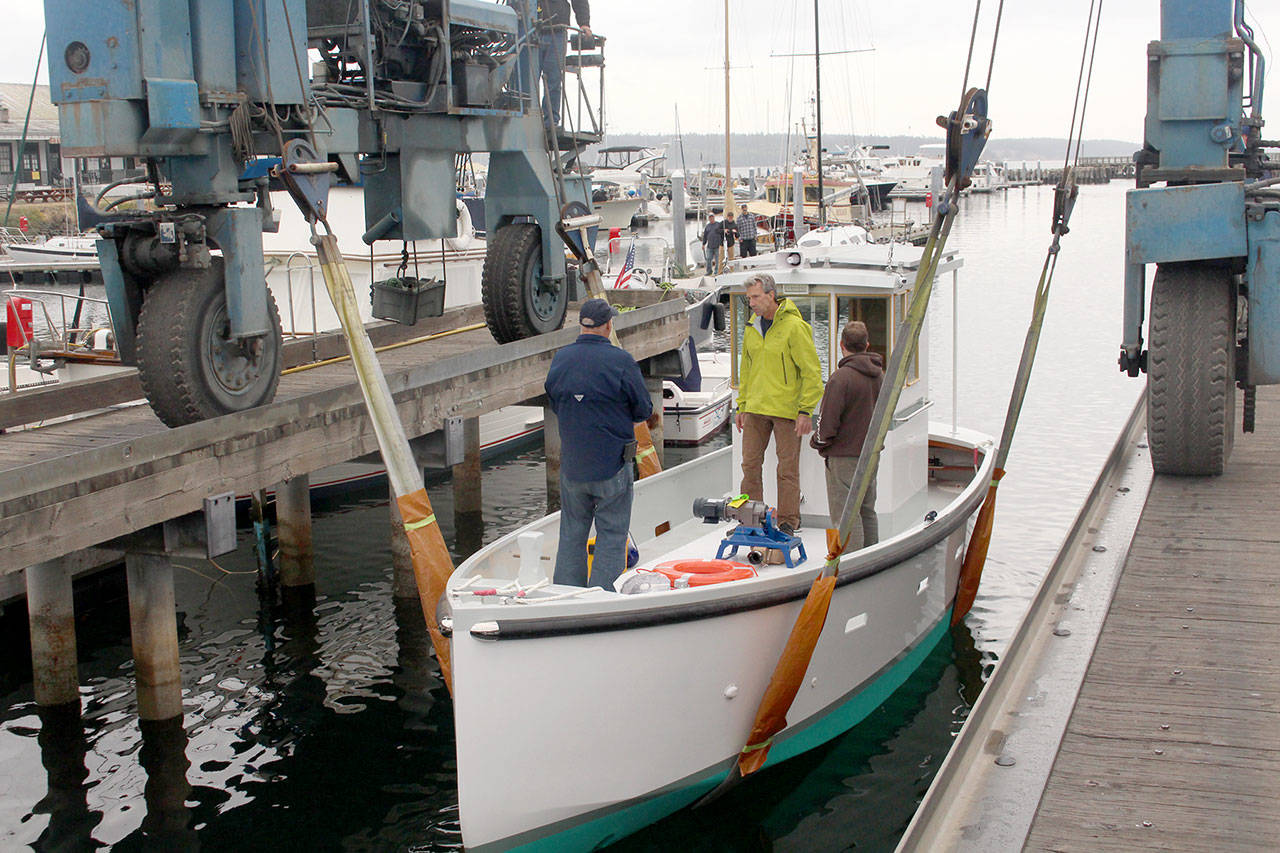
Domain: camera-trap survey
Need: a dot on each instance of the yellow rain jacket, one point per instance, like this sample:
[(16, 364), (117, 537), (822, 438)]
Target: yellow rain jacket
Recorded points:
[(779, 374)]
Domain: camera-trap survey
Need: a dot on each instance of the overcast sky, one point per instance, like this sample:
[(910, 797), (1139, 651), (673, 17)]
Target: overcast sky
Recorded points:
[(668, 55)]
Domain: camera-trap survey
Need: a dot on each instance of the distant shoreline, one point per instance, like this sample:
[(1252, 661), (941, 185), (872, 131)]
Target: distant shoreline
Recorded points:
[(765, 150)]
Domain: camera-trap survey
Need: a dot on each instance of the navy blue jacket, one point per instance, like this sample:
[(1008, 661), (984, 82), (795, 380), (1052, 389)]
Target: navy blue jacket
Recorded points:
[(598, 395)]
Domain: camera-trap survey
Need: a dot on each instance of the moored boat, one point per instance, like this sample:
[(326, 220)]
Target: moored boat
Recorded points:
[(630, 703)]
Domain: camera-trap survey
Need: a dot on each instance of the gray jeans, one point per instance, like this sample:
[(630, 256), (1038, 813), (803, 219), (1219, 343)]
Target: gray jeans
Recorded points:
[(840, 471), (608, 504)]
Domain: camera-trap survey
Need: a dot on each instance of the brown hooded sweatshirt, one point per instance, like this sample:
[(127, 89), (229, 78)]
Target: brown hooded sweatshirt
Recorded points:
[(847, 404)]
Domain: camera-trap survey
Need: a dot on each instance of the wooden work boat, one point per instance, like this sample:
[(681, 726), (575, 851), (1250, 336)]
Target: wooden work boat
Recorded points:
[(583, 715)]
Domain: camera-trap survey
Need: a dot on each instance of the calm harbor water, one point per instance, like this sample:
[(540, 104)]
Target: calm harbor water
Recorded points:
[(327, 728)]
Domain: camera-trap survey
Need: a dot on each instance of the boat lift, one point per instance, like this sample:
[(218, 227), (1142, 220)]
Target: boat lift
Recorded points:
[(219, 97), (1208, 217)]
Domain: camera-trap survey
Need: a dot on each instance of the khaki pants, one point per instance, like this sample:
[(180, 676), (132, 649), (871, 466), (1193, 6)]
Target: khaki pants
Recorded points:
[(756, 430), (840, 471)]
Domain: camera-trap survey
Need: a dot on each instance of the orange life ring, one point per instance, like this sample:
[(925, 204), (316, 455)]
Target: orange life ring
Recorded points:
[(702, 572)]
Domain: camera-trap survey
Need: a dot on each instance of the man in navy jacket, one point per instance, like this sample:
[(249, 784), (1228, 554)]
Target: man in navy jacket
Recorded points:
[(598, 395)]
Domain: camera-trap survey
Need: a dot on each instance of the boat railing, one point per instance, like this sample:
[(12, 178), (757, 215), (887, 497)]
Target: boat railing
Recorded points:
[(13, 235), (60, 337), (309, 264)]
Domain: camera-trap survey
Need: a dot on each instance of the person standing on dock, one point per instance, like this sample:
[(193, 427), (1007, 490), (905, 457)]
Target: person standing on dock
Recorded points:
[(553, 18), (712, 238), (780, 382), (847, 405), (747, 233), (598, 395)]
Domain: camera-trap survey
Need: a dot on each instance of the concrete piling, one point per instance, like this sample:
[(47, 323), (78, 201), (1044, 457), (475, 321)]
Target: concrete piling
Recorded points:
[(51, 615), (154, 629), (293, 529), (678, 239)]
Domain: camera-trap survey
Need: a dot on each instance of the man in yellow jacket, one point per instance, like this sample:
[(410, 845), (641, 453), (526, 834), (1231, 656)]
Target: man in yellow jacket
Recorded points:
[(779, 384)]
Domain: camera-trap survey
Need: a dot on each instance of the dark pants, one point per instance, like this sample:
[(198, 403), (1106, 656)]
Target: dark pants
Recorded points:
[(748, 247), (713, 258), (551, 59), (608, 504)]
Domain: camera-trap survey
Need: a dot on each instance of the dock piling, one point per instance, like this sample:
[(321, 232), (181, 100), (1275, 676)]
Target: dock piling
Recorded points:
[(51, 614), (679, 241), (154, 629), (468, 493), (293, 529)]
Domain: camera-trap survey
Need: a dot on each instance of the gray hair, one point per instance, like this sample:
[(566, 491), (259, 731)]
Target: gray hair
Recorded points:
[(766, 283)]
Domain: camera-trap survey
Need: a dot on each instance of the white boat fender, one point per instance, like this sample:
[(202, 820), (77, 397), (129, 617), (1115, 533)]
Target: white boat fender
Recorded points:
[(466, 229)]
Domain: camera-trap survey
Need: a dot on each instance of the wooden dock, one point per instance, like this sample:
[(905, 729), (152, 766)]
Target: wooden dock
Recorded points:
[(1168, 736), (78, 484), (1175, 740)]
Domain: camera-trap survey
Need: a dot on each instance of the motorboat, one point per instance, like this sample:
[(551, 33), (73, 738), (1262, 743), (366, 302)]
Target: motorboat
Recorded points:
[(988, 177), (693, 415), (632, 702)]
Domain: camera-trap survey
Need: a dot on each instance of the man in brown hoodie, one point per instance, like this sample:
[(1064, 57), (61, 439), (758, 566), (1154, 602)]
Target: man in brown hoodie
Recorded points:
[(847, 405)]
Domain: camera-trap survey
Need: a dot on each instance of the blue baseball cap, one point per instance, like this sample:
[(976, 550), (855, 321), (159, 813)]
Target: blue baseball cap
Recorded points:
[(594, 313)]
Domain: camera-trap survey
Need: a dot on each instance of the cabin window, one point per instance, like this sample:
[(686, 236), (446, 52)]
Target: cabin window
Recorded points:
[(816, 311), (773, 194), (872, 310), (811, 194)]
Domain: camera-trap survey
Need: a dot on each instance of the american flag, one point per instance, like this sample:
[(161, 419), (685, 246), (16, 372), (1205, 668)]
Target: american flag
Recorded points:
[(624, 274)]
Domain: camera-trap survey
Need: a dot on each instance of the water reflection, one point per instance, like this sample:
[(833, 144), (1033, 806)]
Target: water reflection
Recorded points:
[(62, 752), (167, 825)]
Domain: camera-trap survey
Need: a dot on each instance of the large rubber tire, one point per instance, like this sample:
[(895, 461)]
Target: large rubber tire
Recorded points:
[(517, 304), (190, 368), (1191, 389)]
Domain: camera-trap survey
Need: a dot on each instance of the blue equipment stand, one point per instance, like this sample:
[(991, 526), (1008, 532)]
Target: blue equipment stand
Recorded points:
[(766, 536)]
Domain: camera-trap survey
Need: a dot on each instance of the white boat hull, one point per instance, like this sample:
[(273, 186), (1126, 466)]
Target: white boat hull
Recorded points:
[(581, 720)]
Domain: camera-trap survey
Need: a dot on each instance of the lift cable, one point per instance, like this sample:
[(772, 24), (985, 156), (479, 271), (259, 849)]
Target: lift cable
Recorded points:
[(1064, 195)]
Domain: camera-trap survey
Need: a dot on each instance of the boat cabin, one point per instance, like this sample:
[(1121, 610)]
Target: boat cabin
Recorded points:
[(831, 288)]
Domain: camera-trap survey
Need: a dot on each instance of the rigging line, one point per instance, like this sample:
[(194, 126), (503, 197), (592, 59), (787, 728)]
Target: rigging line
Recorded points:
[(1075, 107), (302, 84), (973, 37), (1088, 83), (995, 39)]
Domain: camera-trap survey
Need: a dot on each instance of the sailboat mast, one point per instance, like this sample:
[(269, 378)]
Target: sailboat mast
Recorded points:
[(817, 71), (728, 162)]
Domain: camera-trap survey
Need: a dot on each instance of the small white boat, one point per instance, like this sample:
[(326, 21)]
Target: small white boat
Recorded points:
[(692, 417), (583, 715), (54, 250)]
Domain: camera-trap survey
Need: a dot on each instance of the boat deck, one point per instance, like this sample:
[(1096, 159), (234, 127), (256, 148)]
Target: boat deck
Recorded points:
[(1175, 738), (1138, 704)]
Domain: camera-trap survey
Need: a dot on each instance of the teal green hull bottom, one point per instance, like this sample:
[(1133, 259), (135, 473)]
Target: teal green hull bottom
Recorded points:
[(616, 825)]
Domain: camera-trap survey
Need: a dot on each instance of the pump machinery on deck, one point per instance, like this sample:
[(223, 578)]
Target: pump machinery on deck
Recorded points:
[(225, 100)]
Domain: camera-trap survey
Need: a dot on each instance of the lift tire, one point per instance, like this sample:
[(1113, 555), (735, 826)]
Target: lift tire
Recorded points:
[(189, 369), (516, 303), (1191, 390)]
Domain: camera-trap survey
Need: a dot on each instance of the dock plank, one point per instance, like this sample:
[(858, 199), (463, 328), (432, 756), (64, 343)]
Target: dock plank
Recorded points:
[(1191, 643)]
